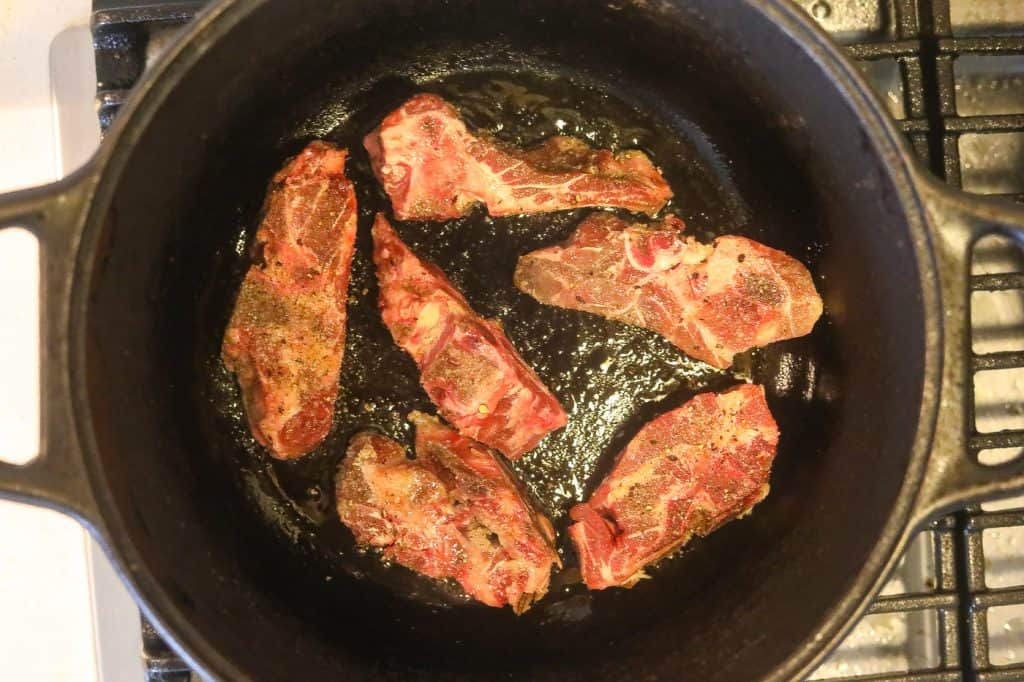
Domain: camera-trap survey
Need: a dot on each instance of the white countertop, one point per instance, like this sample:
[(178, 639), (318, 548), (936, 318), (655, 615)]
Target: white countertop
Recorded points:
[(48, 621), (45, 612)]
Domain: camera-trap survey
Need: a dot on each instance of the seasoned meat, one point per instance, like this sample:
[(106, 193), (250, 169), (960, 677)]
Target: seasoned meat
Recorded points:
[(433, 168), (453, 512), (286, 336), (684, 474), (467, 365), (711, 300)]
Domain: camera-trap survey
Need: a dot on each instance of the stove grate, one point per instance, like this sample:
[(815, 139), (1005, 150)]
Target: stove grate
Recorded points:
[(909, 49), (925, 45)]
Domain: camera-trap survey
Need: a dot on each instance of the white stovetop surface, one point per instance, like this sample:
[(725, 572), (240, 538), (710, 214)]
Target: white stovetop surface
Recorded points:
[(46, 617), (62, 614)]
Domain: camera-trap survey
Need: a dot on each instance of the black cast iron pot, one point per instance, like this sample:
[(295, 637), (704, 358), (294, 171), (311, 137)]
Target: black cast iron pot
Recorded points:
[(763, 129)]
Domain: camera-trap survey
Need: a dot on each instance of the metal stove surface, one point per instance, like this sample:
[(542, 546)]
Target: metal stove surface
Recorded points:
[(951, 72)]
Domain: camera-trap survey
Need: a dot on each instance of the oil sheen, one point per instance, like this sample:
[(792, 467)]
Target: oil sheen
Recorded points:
[(610, 377)]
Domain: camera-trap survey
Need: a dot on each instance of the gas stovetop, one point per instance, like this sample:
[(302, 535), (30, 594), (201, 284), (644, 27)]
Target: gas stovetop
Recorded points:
[(951, 72)]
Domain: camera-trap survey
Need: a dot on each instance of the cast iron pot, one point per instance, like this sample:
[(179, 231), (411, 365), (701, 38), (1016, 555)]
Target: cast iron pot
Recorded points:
[(778, 137)]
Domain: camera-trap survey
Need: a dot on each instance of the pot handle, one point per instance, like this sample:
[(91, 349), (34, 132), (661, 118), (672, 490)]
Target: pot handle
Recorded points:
[(57, 477), (954, 476)]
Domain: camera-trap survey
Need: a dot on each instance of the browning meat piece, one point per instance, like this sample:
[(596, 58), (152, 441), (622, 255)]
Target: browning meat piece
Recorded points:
[(433, 168), (286, 336), (453, 512), (711, 300), (468, 367), (684, 474)]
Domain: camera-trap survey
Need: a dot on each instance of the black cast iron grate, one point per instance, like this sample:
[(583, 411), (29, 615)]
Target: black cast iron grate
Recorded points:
[(925, 47), (918, 38)]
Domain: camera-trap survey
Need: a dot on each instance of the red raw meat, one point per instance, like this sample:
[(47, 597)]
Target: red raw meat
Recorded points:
[(286, 336), (433, 168), (711, 300), (467, 365), (684, 474), (453, 512)]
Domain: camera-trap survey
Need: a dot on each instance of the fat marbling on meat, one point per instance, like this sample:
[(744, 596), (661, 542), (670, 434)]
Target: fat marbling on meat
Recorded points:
[(467, 365), (433, 168), (711, 300), (286, 336), (684, 474), (453, 512)]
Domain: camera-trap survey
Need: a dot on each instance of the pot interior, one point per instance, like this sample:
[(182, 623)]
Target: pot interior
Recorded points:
[(250, 551)]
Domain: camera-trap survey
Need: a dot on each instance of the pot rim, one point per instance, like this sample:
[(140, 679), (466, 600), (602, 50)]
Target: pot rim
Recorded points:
[(215, 23)]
